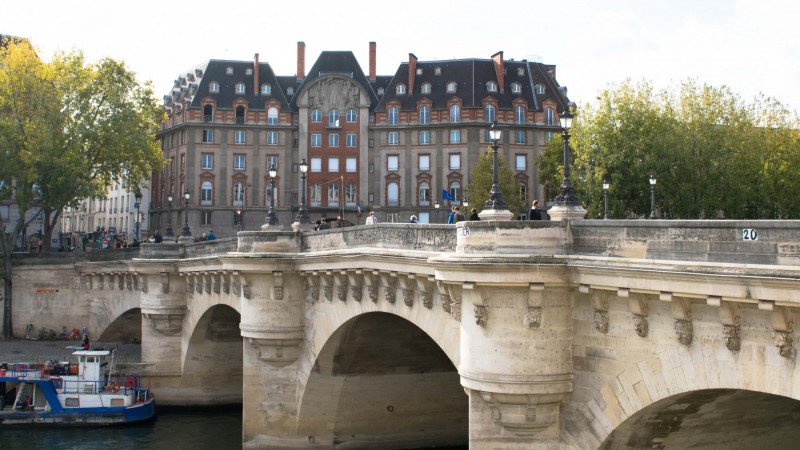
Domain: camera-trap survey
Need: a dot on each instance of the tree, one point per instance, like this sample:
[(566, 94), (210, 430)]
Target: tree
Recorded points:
[(481, 183), (68, 131)]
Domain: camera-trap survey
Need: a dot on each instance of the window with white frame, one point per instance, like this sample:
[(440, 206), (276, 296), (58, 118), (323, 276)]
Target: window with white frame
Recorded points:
[(521, 162), (393, 194), (333, 194), (426, 88), (272, 138), (519, 136), (271, 161), (229, 70), (451, 87), (455, 114), (516, 88), (213, 87), (380, 92), (392, 163), (238, 193), (350, 195), (272, 116), (351, 165), (394, 115), (316, 195), (520, 71), (425, 137), (333, 165), (539, 88), (519, 114), (424, 163), (549, 117), (239, 137), (240, 88), (205, 217), (393, 138), (437, 70), (207, 161), (206, 193), (455, 136), (316, 116), (424, 115), (455, 191), (400, 89), (266, 89), (491, 86), (290, 91), (333, 140), (316, 139), (351, 115), (239, 162), (489, 113), (333, 118), (316, 165), (424, 193), (208, 136), (351, 139), (455, 161)]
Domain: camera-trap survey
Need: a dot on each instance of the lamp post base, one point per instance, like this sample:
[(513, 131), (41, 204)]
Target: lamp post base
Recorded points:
[(298, 226), (567, 212), (496, 214), (271, 227)]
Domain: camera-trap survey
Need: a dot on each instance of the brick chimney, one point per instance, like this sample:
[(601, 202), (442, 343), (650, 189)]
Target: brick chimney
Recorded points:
[(255, 75), (499, 70), (372, 52), (412, 71), (301, 60)]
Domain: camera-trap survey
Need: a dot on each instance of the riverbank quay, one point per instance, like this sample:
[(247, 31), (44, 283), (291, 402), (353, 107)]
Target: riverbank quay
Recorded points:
[(32, 351)]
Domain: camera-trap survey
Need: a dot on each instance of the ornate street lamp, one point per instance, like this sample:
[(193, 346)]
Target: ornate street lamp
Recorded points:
[(436, 206), (567, 195), (302, 217), (272, 218), (606, 185), (138, 196), (495, 200), (169, 233), (652, 196), (186, 231)]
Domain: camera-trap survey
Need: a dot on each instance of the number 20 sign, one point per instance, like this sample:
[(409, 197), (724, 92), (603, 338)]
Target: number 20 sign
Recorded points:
[(749, 234)]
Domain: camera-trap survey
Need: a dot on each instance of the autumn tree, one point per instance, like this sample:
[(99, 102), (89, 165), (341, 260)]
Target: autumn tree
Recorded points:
[(481, 183), (69, 130)]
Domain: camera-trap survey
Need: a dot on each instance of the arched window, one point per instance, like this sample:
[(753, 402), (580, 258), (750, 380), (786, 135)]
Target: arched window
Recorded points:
[(426, 88), (455, 114), (401, 89), (549, 117), (393, 194), (394, 116), (333, 195), (350, 195), (424, 193), (539, 88), (266, 89), (272, 116), (352, 115), (333, 118), (229, 70), (424, 115), (455, 191), (316, 195), (208, 113), (213, 87), (519, 114), (516, 88), (491, 86), (240, 88), (240, 114), (206, 193), (316, 116), (489, 113), (451, 87)]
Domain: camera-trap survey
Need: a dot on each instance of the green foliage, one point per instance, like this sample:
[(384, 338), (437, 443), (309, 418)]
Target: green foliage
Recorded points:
[(481, 183), (713, 155)]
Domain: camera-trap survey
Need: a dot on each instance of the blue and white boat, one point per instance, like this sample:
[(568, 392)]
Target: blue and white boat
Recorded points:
[(72, 393)]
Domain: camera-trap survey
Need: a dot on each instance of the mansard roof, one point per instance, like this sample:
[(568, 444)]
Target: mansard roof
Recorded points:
[(472, 77), (193, 85), (342, 63)]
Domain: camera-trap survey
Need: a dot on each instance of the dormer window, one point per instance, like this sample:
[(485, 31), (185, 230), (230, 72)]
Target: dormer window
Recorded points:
[(539, 88), (229, 70), (491, 86), (290, 91), (437, 70), (426, 88), (240, 88), (213, 87), (401, 89), (266, 89), (451, 87), (419, 70), (516, 88), (520, 71), (249, 71), (380, 91)]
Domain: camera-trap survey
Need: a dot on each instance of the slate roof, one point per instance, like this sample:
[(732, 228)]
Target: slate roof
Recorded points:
[(337, 62)]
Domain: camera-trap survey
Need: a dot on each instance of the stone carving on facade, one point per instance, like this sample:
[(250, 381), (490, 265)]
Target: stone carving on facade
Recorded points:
[(226, 283), (276, 352), (684, 330), (312, 287), (731, 336), (389, 287), (342, 287), (189, 284), (278, 292), (164, 283), (110, 280), (784, 342), (641, 325), (167, 324), (327, 287), (136, 281), (408, 297), (207, 279), (533, 319), (524, 415), (426, 299), (356, 290), (143, 284), (425, 284), (216, 282), (235, 288), (120, 281), (600, 319), (481, 315), (198, 283), (129, 281), (277, 285), (246, 291), (638, 305)]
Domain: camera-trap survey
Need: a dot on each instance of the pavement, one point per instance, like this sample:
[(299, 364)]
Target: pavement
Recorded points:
[(31, 351)]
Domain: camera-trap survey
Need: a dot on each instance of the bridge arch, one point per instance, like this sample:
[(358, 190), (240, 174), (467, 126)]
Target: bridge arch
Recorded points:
[(381, 376), (126, 327)]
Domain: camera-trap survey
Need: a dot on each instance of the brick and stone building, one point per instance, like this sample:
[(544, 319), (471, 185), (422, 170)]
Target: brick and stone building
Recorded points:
[(386, 143)]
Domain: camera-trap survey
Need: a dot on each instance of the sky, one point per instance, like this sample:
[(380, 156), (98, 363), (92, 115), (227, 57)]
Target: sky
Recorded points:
[(750, 46)]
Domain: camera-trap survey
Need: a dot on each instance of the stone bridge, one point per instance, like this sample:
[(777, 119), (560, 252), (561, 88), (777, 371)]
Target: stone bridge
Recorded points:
[(503, 335)]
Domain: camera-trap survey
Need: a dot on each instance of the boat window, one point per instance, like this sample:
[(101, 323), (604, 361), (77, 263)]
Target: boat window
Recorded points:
[(72, 402), (117, 402)]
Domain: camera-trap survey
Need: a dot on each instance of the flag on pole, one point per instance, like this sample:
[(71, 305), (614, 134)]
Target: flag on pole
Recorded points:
[(446, 195), (358, 209)]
